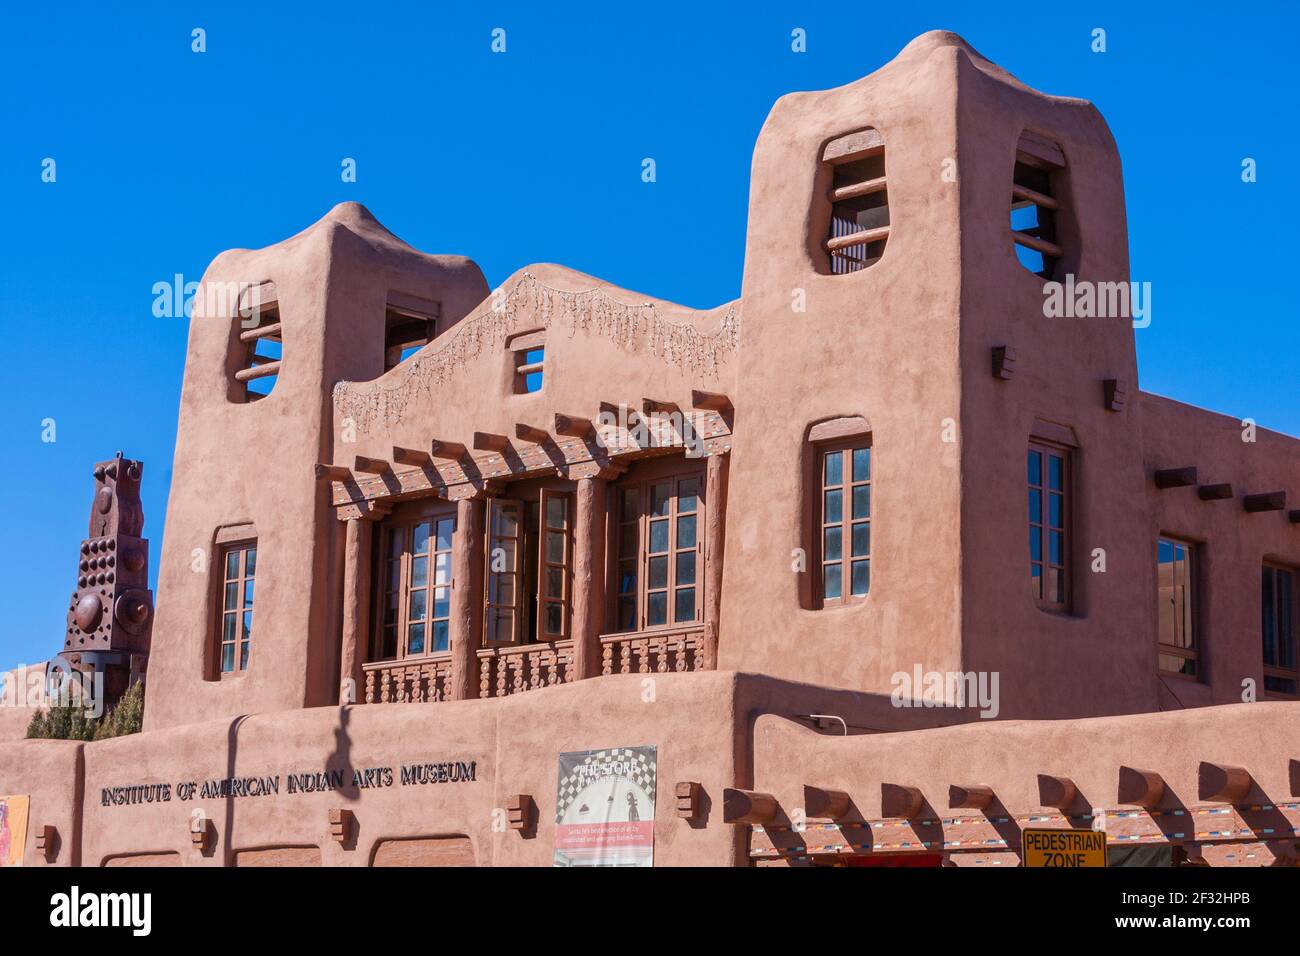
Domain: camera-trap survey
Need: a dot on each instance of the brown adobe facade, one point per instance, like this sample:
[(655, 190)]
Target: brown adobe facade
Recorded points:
[(416, 521)]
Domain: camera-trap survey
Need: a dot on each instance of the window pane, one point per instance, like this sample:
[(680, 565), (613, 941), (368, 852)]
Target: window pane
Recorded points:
[(1036, 580), (232, 596), (555, 582), (685, 605), (627, 614), (834, 468), (232, 565), (1055, 510), (419, 572), (860, 582), (833, 505), (686, 567), (861, 539), (686, 531), (627, 540), (1268, 607), (442, 602), (228, 626), (1035, 468), (248, 592), (227, 658), (554, 618), (445, 529), (658, 572), (441, 636), (505, 521), (442, 569), (396, 542), (419, 601), (1055, 470), (555, 547), (861, 464), (861, 501), (420, 543), (1054, 550), (1035, 545), (250, 562), (248, 624), (658, 537), (415, 639), (1286, 618), (555, 512), (626, 577), (243, 655), (831, 583), (831, 543), (688, 491), (660, 496), (656, 608), (1035, 505), (629, 504)]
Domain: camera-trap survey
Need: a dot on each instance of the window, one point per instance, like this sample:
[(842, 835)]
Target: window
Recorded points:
[(260, 348), (859, 199), (1177, 596), (1279, 624), (844, 539), (415, 593), (1034, 206), (1049, 569), (528, 351), (530, 567), (239, 564), (658, 552), (410, 323)]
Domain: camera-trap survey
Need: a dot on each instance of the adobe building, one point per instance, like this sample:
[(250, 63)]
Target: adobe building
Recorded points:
[(878, 564)]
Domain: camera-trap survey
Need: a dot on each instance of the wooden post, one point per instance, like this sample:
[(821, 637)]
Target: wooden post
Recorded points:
[(466, 630), (715, 535), (588, 576), (1059, 792), (819, 803), (748, 806), (969, 796), (1140, 788), (1220, 783), (356, 609)]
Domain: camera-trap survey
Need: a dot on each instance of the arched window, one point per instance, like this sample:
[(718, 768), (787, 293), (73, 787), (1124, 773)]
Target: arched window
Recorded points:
[(1035, 204), (859, 225), (260, 345), (839, 491)]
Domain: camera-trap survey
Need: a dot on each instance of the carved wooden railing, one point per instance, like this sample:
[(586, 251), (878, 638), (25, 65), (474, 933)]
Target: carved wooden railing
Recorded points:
[(652, 653), (410, 681), (512, 670)]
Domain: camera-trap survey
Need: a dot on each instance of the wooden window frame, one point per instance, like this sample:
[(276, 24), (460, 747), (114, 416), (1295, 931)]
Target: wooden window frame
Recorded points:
[(1043, 527), (410, 323), (1191, 614), (394, 554), (524, 590), (641, 521), (845, 447), (528, 358), (243, 639), (848, 247), (1038, 163), (1279, 671)]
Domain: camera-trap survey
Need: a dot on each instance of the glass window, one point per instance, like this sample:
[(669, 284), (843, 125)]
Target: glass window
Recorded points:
[(658, 547), (1176, 599), (845, 523), (1279, 626), (414, 606), (1049, 566), (236, 637)]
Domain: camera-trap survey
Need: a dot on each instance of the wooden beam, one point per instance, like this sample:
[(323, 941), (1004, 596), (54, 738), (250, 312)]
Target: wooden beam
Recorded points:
[(485, 441), (574, 426), (747, 806), (900, 801), (270, 331), (856, 238), (653, 406), (1059, 792), (1142, 788), (373, 466), (1004, 362), (1114, 393), (258, 371), (822, 804), (1219, 492), (712, 401), (411, 456), (1220, 783), (529, 433), (688, 794), (1175, 477), (449, 450), (1038, 245), (1025, 194), (969, 797), (1265, 501), (865, 188), (331, 472)]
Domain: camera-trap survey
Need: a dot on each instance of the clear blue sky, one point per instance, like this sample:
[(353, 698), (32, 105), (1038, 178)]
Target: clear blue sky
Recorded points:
[(166, 157)]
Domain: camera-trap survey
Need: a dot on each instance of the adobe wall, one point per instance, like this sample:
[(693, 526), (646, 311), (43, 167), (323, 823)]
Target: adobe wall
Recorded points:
[(881, 343), (50, 773)]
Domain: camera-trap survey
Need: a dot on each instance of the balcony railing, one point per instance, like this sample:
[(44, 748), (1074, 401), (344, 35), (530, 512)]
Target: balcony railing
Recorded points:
[(644, 652), (512, 670), (409, 681)]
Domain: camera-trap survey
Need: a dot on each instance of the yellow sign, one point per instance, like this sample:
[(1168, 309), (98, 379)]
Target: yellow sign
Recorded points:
[(13, 830), (1057, 848)]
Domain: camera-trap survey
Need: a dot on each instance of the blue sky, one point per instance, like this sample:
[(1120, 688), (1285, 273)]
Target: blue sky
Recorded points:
[(166, 157)]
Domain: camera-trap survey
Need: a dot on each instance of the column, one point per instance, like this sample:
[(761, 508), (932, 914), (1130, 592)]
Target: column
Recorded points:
[(356, 609), (466, 629), (588, 576), (715, 534)]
